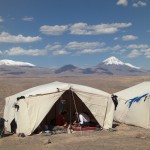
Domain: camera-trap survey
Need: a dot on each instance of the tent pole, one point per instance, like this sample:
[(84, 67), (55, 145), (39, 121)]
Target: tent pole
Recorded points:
[(76, 110), (70, 109)]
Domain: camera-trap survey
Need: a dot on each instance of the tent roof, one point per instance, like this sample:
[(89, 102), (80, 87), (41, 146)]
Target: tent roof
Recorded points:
[(136, 90), (54, 86)]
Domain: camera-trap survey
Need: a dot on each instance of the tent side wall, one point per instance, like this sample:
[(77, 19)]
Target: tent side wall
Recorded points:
[(109, 114), (22, 118), (148, 98), (138, 114), (9, 112), (33, 110), (100, 106)]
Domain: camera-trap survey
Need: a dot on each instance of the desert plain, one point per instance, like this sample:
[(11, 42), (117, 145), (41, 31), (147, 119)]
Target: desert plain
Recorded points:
[(125, 137)]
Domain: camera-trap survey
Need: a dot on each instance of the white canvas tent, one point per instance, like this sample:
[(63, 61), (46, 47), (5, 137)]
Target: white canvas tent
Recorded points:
[(134, 105), (44, 100)]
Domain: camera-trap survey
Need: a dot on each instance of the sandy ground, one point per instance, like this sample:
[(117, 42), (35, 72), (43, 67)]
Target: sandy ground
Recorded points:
[(124, 138)]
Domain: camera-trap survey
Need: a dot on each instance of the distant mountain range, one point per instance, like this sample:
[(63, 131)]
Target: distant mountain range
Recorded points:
[(110, 66)]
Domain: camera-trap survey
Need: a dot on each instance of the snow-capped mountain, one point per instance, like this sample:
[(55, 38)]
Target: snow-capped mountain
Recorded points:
[(115, 61), (17, 68), (15, 63), (110, 66)]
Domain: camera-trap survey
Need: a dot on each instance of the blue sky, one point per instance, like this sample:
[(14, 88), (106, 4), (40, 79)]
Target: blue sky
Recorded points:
[(53, 33)]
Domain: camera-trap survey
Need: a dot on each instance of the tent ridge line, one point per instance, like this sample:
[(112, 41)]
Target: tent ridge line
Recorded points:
[(66, 90), (90, 93), (45, 94)]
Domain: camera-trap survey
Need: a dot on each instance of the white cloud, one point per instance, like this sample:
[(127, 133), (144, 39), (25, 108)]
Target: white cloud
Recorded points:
[(99, 50), (1, 19), (134, 53), (146, 52), (83, 45), (135, 46), (85, 29), (53, 30), (81, 48), (20, 51), (75, 48), (89, 51), (116, 47), (142, 49), (122, 2), (27, 18), (60, 52), (96, 50), (121, 51), (129, 37), (139, 4), (53, 47), (8, 38), (79, 28)]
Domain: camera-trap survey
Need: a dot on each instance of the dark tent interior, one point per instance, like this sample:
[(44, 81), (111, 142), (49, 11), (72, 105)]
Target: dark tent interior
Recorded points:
[(70, 103)]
